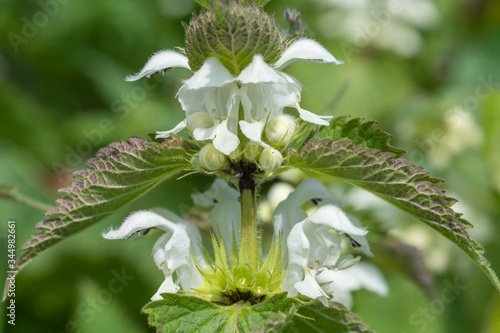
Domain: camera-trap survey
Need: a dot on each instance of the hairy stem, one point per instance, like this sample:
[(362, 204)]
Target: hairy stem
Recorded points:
[(249, 251)]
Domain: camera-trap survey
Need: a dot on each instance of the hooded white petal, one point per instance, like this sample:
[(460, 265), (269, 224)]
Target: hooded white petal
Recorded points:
[(172, 252), (160, 61), (333, 217), (258, 72), (166, 134), (289, 211), (305, 50)]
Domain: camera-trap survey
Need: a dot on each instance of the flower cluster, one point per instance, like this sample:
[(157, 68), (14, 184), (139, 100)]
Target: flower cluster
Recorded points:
[(313, 262), (212, 97), (238, 91)]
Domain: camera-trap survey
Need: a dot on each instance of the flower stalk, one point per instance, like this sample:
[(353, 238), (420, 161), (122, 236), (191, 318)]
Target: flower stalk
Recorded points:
[(250, 252)]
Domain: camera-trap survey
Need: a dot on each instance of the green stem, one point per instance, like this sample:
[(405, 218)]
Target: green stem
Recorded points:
[(249, 250), (12, 193)]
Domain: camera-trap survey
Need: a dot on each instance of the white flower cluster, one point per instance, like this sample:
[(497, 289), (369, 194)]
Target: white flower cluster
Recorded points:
[(311, 247), (212, 97)]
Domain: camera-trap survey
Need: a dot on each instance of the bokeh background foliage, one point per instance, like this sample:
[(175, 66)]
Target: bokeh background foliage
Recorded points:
[(62, 97)]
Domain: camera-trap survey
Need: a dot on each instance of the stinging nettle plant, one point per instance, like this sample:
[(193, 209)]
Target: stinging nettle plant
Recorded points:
[(240, 135)]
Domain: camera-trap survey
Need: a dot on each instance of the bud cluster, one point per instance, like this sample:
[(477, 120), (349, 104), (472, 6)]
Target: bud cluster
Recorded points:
[(232, 33)]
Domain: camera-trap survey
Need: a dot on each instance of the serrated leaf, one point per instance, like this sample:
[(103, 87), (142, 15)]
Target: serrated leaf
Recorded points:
[(178, 313), (118, 174), (334, 319), (362, 133), (398, 182)]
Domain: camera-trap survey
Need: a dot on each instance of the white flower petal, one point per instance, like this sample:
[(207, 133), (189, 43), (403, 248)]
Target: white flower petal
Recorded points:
[(225, 141), (160, 61), (253, 131), (289, 212), (343, 282), (139, 221), (191, 100), (258, 72), (333, 217), (305, 50), (173, 251), (166, 134), (218, 191), (312, 117), (309, 287), (225, 217), (348, 262), (168, 286), (211, 74), (202, 134), (361, 240)]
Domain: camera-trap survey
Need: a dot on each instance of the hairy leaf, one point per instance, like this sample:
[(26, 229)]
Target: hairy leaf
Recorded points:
[(362, 133), (398, 182), (178, 313), (119, 173), (318, 318)]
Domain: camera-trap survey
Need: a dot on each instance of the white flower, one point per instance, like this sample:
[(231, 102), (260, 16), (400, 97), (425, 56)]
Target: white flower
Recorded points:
[(312, 249), (263, 91), (340, 283), (172, 252), (289, 211), (312, 253), (225, 216)]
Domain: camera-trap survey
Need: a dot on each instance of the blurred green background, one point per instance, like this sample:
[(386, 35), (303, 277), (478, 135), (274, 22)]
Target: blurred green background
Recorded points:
[(429, 72)]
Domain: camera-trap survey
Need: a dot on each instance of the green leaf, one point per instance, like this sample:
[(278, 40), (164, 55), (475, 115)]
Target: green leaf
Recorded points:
[(362, 133), (398, 182), (178, 313), (120, 173), (334, 319)]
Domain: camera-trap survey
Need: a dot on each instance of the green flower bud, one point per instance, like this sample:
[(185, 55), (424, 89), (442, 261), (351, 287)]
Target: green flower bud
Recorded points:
[(270, 160), (280, 130), (233, 33), (211, 159), (199, 120)]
